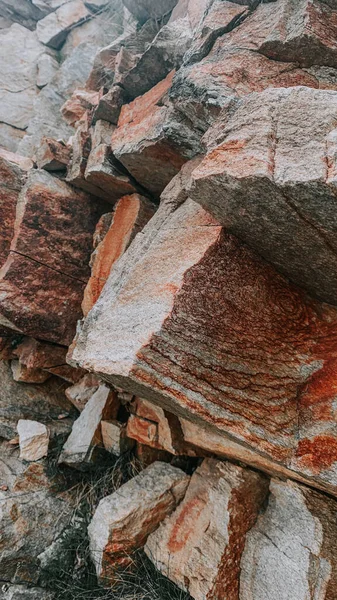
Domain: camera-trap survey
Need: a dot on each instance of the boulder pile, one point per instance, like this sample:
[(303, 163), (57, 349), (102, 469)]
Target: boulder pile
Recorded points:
[(168, 291)]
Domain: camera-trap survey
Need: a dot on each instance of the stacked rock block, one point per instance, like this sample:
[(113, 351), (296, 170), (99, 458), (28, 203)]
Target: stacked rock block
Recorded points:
[(172, 202)]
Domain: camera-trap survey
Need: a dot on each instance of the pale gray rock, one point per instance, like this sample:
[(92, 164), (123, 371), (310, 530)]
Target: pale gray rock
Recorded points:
[(32, 516), (53, 29), (199, 546), (21, 592), (273, 154), (47, 67), (10, 137), (100, 31), (123, 521), (147, 9), (33, 440), (24, 12), (291, 551)]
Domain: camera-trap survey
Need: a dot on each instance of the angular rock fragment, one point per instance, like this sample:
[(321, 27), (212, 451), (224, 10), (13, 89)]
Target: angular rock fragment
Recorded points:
[(200, 545), (299, 31), (169, 326), (152, 141), (24, 12), (75, 107), (32, 516), (291, 551), (33, 440), (115, 438), (42, 280), (278, 182), (53, 29), (23, 374), (44, 402), (123, 521), (130, 216), (13, 174), (82, 391), (52, 155), (85, 439), (109, 105)]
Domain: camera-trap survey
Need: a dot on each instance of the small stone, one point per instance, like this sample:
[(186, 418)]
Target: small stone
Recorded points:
[(115, 438), (83, 390), (33, 440), (123, 521), (53, 155), (23, 374)]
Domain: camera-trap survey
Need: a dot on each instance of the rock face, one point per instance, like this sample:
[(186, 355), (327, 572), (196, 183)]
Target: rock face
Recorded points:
[(124, 520), (200, 545), (53, 29), (290, 552), (277, 163), (51, 245)]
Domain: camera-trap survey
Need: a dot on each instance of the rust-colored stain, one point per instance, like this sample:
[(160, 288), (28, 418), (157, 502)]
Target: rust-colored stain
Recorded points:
[(185, 524), (317, 454)]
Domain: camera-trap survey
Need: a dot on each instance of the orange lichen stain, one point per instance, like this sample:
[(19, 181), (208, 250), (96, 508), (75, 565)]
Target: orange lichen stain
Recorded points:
[(322, 385), (185, 524), (318, 453)]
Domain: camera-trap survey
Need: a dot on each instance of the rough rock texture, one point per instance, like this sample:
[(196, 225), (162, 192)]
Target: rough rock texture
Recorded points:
[(85, 439), (53, 29), (124, 520), (43, 402), (23, 374), (52, 155), (51, 246), (277, 180), (29, 506), (130, 216), (82, 391), (33, 440), (291, 551), (115, 438), (200, 545), (187, 353)]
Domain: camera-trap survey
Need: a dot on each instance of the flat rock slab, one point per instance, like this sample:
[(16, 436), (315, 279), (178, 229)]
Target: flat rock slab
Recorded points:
[(193, 320), (152, 141), (33, 440), (291, 550), (200, 545), (123, 521), (263, 181)]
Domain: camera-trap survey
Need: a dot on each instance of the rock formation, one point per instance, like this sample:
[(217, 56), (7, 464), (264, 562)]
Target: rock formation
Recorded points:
[(168, 295)]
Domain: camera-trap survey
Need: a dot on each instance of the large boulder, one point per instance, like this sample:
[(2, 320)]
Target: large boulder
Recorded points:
[(194, 320), (200, 545), (262, 180)]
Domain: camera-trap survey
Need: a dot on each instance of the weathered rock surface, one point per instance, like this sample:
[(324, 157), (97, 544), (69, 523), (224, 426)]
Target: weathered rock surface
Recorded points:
[(82, 391), (146, 9), (115, 439), (33, 440), (130, 216), (123, 521), (52, 155), (43, 402), (33, 515), (278, 181), (200, 545), (188, 355), (85, 439), (291, 551), (53, 29), (23, 374), (21, 592), (51, 247), (152, 141)]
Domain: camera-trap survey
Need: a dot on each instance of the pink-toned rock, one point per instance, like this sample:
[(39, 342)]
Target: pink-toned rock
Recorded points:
[(110, 105), (193, 320), (130, 216), (75, 107), (115, 439), (200, 545), (24, 375), (261, 179), (52, 155), (33, 440), (43, 278), (299, 31), (123, 521), (151, 141), (83, 390)]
